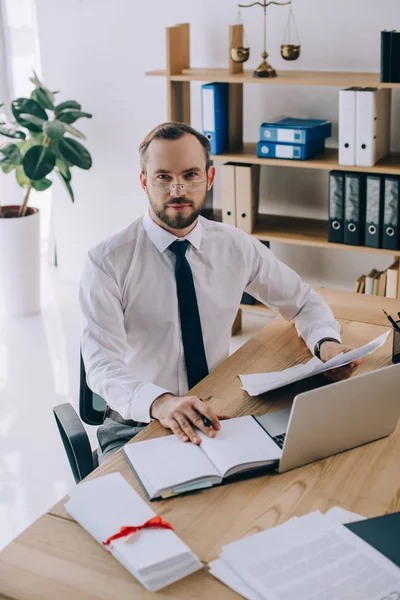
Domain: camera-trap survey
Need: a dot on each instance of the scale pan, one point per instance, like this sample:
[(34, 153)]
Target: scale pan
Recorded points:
[(240, 54), (290, 51)]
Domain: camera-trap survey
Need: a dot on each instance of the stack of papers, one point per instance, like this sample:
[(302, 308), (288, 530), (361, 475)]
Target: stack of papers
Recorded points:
[(259, 383), (307, 558), (156, 557)]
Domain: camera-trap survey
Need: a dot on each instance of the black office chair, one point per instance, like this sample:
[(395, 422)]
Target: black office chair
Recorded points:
[(74, 437)]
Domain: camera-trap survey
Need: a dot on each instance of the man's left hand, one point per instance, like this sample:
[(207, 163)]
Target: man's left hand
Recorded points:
[(329, 350)]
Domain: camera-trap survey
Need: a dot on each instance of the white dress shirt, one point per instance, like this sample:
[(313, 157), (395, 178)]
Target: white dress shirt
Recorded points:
[(131, 337)]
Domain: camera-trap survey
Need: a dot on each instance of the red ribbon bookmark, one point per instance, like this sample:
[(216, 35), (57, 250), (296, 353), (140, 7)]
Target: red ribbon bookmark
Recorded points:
[(155, 522)]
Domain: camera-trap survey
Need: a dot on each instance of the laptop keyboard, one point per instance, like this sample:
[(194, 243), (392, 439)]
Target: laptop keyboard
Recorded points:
[(280, 439)]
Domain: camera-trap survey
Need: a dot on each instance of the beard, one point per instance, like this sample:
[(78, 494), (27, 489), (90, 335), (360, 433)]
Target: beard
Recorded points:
[(177, 221)]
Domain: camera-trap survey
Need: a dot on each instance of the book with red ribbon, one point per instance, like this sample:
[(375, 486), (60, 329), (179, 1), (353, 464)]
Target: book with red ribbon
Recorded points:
[(118, 518)]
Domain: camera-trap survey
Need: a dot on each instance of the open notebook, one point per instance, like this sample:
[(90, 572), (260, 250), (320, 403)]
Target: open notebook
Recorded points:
[(166, 466), (156, 557)]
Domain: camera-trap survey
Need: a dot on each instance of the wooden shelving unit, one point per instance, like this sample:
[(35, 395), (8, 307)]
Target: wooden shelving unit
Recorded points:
[(328, 160), (322, 78), (290, 230), (304, 232)]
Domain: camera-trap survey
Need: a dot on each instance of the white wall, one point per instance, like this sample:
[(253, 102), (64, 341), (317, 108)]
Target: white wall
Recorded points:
[(96, 52)]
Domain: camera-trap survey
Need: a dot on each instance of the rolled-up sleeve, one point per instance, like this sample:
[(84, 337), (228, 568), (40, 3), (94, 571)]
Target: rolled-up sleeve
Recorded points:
[(276, 285), (104, 346)]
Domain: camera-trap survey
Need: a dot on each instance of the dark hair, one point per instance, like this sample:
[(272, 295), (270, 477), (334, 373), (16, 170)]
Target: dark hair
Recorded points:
[(172, 131)]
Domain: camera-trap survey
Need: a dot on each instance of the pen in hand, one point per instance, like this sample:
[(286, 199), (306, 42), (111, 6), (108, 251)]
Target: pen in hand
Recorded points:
[(206, 421)]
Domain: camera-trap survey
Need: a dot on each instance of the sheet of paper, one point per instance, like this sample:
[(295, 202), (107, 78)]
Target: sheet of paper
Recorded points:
[(222, 571), (260, 383), (105, 504), (167, 462), (240, 440), (313, 559), (337, 515)]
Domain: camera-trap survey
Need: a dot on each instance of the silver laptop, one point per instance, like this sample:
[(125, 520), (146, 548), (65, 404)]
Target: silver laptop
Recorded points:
[(336, 417)]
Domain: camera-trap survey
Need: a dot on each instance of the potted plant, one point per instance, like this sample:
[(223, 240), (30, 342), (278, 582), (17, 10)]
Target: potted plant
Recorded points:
[(43, 142)]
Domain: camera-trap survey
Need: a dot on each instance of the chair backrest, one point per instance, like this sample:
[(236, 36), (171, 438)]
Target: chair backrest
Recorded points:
[(91, 405)]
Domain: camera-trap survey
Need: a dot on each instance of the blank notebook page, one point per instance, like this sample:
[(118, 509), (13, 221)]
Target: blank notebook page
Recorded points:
[(241, 440), (166, 462)]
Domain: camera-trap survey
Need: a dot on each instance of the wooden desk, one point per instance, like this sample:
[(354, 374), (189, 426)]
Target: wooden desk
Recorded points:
[(55, 559)]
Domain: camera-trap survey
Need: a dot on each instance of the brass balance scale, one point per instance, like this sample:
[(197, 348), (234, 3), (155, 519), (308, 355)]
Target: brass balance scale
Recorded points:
[(289, 51)]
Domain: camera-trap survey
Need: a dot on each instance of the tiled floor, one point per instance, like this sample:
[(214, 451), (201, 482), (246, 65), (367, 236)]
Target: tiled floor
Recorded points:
[(39, 368)]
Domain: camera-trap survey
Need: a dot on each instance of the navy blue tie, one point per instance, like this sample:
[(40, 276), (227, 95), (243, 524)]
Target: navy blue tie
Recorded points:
[(192, 336)]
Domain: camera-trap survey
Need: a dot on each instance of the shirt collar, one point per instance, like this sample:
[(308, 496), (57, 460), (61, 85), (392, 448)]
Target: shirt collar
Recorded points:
[(162, 238)]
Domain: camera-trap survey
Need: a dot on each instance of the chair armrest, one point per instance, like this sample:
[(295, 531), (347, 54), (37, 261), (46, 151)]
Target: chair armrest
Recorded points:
[(75, 440)]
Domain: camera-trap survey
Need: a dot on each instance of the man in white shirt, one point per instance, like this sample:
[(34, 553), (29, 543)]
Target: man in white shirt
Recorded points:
[(159, 298)]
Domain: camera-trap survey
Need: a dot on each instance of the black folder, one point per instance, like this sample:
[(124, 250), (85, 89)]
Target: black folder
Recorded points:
[(374, 211), (390, 56), (382, 533), (336, 207), (354, 209), (391, 230)]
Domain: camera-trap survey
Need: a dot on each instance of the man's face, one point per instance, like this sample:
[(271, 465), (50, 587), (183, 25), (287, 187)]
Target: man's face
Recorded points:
[(176, 181)]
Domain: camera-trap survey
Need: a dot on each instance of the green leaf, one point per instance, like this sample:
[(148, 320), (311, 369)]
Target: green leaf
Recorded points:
[(70, 116), (64, 169), (43, 97), (11, 155), (54, 129), (11, 131), (22, 179), (25, 145), (39, 161), (74, 131), (74, 153), (31, 107), (67, 185), (67, 104), (35, 79), (32, 119), (42, 185), (7, 168)]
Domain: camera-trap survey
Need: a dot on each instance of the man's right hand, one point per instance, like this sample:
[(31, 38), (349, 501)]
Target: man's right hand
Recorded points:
[(182, 414)]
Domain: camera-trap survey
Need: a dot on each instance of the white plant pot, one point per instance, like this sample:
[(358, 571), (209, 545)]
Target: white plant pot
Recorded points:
[(20, 263)]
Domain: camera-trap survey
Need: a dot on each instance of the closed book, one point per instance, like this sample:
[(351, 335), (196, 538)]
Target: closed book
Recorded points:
[(383, 534), (391, 230), (390, 56), (247, 185), (228, 194), (385, 56), (372, 125), (382, 283), (336, 207), (359, 287), (369, 283), (295, 131), (376, 283), (354, 231), (374, 211), (392, 279), (290, 151)]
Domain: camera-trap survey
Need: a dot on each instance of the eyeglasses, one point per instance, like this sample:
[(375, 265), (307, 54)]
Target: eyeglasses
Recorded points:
[(194, 181)]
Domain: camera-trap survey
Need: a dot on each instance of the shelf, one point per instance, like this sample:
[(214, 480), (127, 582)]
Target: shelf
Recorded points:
[(324, 78), (304, 232), (328, 160)]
